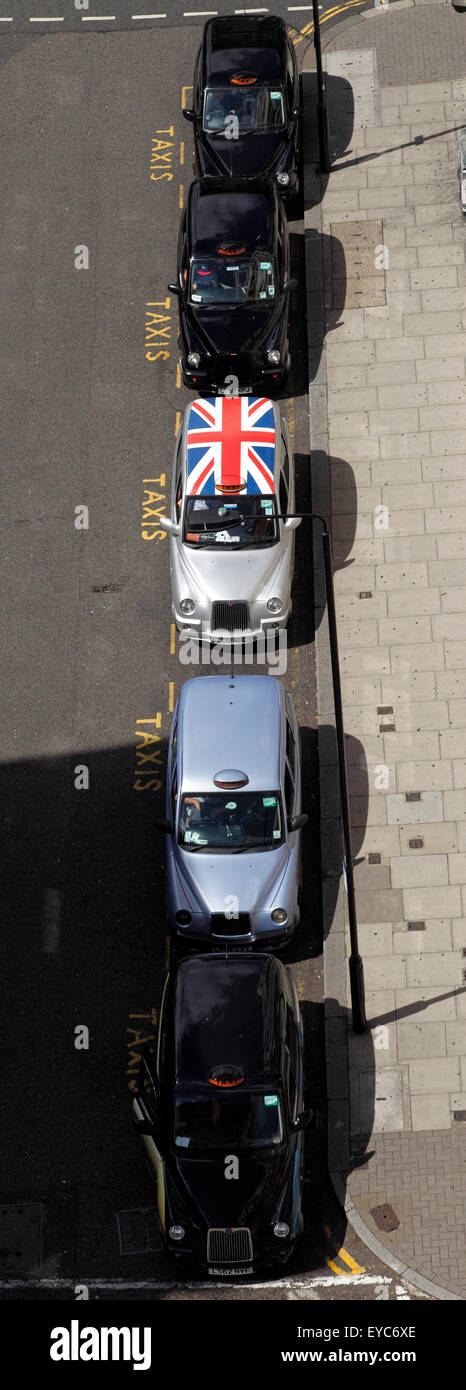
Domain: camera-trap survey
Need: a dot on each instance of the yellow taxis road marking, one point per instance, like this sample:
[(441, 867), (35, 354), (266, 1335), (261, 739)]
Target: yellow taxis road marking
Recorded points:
[(171, 696), (148, 751), (137, 1040), (151, 511), (178, 376), (161, 155), (181, 196), (181, 151), (172, 639), (183, 94), (177, 422), (157, 326), (308, 29)]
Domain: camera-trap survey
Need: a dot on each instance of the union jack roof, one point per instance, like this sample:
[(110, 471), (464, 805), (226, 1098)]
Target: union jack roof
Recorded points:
[(231, 445)]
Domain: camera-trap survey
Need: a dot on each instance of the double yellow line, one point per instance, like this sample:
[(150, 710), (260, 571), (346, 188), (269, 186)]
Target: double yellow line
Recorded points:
[(329, 14), (342, 1254)]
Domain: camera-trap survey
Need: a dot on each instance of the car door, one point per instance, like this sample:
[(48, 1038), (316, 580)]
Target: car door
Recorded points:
[(294, 747), (146, 1108), (295, 1093), (293, 785), (287, 499), (182, 252), (172, 773)]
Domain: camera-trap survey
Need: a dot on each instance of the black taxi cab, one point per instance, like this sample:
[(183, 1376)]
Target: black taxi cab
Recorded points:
[(233, 288), (220, 1110), (245, 105)]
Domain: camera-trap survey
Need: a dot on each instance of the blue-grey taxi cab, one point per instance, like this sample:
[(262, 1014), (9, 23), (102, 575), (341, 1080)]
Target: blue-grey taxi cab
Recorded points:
[(233, 811)]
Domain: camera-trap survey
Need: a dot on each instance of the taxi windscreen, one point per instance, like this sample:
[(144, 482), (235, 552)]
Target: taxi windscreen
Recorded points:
[(216, 522), (258, 107), (225, 822), (230, 279), (242, 1120)]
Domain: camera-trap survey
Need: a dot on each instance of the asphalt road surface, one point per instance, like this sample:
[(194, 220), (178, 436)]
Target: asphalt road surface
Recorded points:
[(96, 164)]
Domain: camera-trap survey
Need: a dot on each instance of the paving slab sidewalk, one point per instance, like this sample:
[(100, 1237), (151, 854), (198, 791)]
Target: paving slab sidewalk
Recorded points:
[(386, 289)]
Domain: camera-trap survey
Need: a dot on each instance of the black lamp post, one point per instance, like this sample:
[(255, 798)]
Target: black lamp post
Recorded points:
[(322, 112)]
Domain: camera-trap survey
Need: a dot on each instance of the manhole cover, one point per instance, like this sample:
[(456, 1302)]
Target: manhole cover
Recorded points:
[(138, 1231), (385, 1217), (21, 1238)]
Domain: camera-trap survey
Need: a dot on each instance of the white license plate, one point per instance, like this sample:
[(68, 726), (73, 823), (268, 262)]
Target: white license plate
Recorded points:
[(243, 391), (239, 1269)]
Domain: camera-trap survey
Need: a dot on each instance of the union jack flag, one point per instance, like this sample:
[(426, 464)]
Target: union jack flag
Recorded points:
[(231, 445)]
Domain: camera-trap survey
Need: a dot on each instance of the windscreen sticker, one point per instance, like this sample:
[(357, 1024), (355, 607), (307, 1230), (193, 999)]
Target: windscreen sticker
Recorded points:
[(262, 294), (267, 507), (231, 806), (276, 834), (225, 537), (266, 265), (232, 267), (183, 1141), (270, 1100), (198, 297), (269, 801), (276, 96), (271, 289)]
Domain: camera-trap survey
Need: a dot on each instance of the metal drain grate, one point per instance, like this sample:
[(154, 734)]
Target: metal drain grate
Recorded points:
[(138, 1231), (385, 1217), (21, 1238)]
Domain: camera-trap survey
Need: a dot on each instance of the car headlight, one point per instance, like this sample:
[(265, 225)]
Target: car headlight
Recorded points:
[(194, 359), (274, 605), (183, 918), (284, 179), (176, 1232), (187, 606), (279, 915), (273, 356), (281, 1230)]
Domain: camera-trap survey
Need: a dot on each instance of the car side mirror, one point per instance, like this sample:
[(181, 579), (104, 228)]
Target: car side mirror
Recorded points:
[(165, 825), (189, 114), (303, 1120), (297, 822), (292, 522), (175, 289), (287, 284), (167, 525)]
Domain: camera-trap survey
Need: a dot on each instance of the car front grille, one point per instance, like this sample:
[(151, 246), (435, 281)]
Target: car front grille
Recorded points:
[(230, 616), (238, 366), (230, 926), (226, 1247)]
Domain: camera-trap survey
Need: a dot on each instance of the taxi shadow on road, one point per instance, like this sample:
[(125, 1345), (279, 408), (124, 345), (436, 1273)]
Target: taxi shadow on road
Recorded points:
[(323, 483), (322, 872), (325, 294)]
